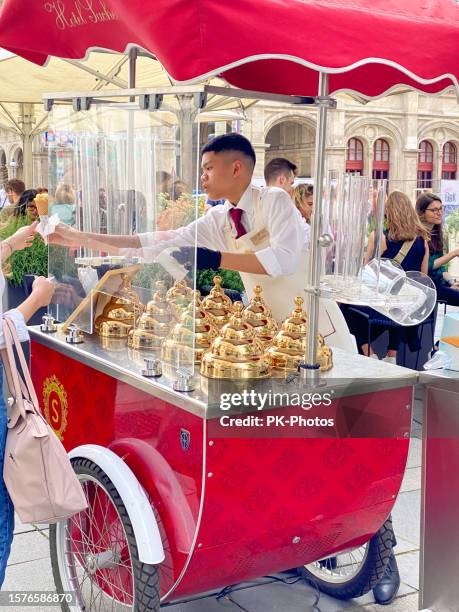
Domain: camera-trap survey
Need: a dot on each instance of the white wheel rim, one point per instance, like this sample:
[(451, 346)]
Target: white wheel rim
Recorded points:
[(100, 563), (348, 565)]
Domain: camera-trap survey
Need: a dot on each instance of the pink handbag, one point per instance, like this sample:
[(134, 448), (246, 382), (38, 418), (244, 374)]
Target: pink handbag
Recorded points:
[(37, 471)]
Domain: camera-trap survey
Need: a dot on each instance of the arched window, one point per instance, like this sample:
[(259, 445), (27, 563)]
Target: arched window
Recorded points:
[(354, 156), (449, 162), (381, 159), (425, 165)]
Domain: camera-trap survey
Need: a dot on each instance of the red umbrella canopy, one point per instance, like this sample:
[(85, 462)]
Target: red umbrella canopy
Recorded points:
[(367, 46)]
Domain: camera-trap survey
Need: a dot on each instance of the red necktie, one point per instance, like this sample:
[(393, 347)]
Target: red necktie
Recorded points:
[(236, 214)]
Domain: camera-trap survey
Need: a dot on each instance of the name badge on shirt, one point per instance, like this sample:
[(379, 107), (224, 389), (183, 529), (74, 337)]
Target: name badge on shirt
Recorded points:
[(260, 237)]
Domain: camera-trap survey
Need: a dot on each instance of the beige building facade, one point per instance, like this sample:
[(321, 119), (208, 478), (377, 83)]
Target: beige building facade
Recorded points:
[(411, 139)]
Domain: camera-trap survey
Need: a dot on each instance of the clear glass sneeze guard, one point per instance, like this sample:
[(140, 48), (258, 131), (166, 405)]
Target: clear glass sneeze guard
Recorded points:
[(116, 169), (354, 208)]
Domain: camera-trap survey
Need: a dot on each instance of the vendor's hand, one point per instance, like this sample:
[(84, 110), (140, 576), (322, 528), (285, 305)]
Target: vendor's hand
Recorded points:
[(43, 290), (205, 258), (23, 237), (65, 235)]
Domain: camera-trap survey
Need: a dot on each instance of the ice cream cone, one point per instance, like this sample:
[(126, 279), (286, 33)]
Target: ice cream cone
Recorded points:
[(41, 202)]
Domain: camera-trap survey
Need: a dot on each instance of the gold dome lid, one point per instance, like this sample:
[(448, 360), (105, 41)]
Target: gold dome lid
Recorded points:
[(113, 329), (237, 352), (196, 327), (289, 345), (158, 307), (259, 316), (179, 292), (218, 304), (296, 324), (128, 295)]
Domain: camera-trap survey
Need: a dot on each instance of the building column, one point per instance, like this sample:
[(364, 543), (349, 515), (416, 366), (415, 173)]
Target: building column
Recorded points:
[(27, 122), (437, 166)]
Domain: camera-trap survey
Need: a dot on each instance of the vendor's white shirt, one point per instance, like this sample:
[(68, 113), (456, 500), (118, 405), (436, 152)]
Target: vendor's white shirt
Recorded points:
[(281, 219), (14, 315)]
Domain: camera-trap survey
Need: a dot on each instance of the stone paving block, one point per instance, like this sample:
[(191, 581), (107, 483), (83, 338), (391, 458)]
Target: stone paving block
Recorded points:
[(408, 603), (408, 565), (411, 480), (415, 453), (29, 576), (29, 546), (404, 546), (406, 516)]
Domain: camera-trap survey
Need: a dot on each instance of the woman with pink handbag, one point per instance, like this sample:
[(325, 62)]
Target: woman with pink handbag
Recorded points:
[(42, 292)]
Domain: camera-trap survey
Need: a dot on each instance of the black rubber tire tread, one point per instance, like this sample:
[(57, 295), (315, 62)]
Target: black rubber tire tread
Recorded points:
[(371, 572), (146, 577)]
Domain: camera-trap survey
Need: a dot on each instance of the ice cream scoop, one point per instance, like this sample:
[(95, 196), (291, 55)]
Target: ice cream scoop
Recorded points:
[(41, 202)]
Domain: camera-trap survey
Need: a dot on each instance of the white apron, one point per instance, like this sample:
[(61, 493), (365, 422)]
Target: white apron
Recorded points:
[(280, 292)]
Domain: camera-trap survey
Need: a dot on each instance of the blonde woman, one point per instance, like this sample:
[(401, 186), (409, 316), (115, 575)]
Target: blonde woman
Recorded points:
[(405, 234), (303, 198)]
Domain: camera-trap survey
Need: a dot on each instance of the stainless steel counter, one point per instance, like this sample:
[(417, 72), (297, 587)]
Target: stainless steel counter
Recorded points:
[(351, 375)]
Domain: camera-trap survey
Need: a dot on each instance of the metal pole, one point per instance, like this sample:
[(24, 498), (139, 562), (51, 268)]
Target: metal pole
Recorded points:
[(310, 369)]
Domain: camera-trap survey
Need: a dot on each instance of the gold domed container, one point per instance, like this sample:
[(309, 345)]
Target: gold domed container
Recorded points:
[(259, 316), (179, 297), (158, 308), (127, 293), (116, 316), (289, 346), (196, 325), (154, 325), (120, 313), (237, 353), (218, 304)]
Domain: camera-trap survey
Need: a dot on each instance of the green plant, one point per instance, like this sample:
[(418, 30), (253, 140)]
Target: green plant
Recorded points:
[(230, 279), (33, 260)]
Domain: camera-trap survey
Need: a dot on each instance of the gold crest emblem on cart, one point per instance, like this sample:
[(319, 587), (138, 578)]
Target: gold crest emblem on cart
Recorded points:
[(55, 405)]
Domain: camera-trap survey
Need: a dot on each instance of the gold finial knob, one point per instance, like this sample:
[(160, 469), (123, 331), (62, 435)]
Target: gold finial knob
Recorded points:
[(218, 282), (238, 308), (257, 291), (298, 302)]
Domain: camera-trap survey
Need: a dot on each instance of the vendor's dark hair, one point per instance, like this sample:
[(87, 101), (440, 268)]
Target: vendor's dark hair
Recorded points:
[(231, 142), (436, 233), (279, 166)]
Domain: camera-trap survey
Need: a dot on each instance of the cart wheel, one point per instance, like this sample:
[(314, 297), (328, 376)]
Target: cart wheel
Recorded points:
[(356, 572), (94, 554)]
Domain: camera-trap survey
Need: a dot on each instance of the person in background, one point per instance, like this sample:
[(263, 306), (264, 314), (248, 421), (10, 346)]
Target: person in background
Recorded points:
[(25, 201), (42, 292), (280, 172), (3, 198), (178, 189), (303, 198), (163, 182), (430, 210), (64, 204), (14, 189), (404, 233)]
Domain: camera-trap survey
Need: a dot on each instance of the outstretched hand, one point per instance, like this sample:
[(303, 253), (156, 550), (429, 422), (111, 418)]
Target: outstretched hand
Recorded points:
[(64, 235), (23, 237)]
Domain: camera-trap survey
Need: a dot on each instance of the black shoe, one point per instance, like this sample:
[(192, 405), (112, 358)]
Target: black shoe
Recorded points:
[(387, 588)]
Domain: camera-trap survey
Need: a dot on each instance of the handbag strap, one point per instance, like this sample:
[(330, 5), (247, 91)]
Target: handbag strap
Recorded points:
[(28, 388), (406, 246), (11, 373)]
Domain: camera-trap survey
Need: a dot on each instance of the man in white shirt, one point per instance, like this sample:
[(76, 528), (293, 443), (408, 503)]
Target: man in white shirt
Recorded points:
[(227, 167), (281, 172)]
